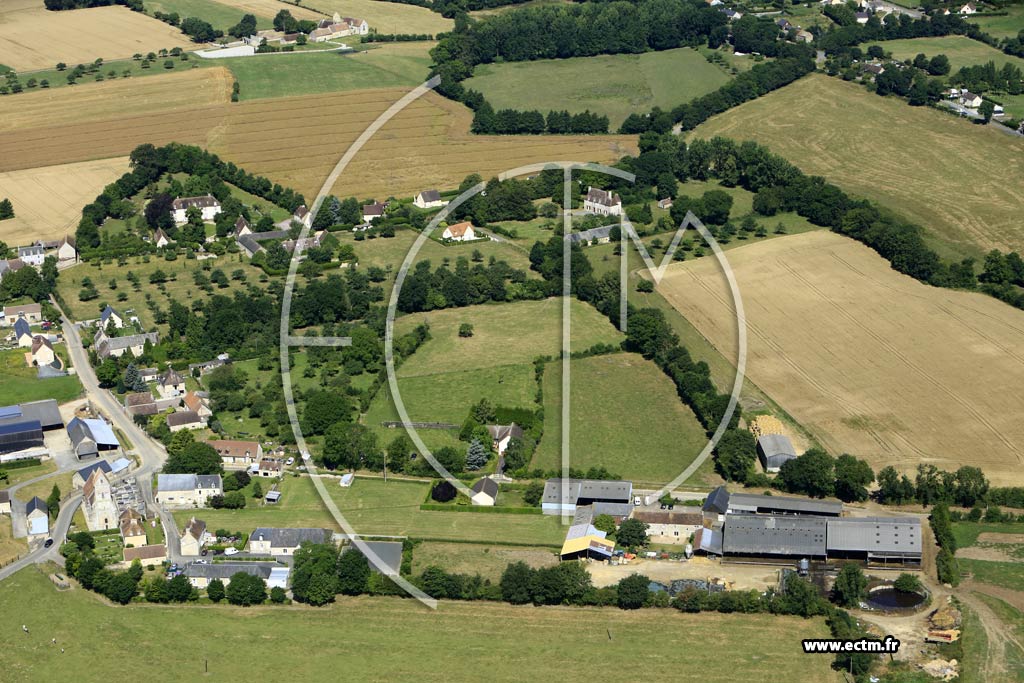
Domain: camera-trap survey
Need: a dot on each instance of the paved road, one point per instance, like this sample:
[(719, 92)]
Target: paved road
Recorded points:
[(58, 532)]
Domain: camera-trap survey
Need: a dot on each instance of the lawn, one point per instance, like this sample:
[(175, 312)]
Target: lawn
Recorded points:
[(503, 334), (19, 384), (1005, 574), (966, 533), (613, 85), (470, 558), (221, 16), (1013, 621), (42, 488), (859, 141), (625, 415), (10, 547), (1002, 27), (374, 507), (962, 51), (389, 66), (407, 641), (21, 474)]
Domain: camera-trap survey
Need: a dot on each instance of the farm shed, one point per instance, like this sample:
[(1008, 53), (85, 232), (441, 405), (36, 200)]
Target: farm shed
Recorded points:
[(761, 504), (774, 450), (774, 535), (17, 436), (875, 539), (561, 496)]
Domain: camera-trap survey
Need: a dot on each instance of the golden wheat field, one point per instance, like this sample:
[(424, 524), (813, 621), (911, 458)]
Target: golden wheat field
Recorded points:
[(110, 99), (48, 201), (960, 181), (427, 145), (269, 8), (871, 362), (32, 37), (385, 17)]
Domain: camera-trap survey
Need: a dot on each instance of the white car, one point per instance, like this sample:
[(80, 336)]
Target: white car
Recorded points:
[(231, 551), (289, 462)]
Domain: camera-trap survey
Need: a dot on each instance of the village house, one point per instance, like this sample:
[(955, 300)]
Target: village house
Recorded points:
[(208, 206), (585, 238), (37, 518), (338, 27), (502, 435), (862, 17), (185, 419), (187, 490), (133, 528), (140, 403), (147, 555), (42, 352), (5, 503), (302, 216), (665, 203), (670, 526), (23, 333), (242, 227), (98, 502), (269, 467), (160, 238), (207, 366), (170, 384), (33, 255), (237, 454), (970, 100), (32, 313), (373, 211), (198, 405), (304, 243), (602, 203), (277, 542), (66, 249), (79, 478), (562, 496), (117, 346), (10, 266), (730, 14), (428, 199), (111, 316), (804, 36), (194, 538), (459, 232), (485, 492), (969, 8), (200, 575)]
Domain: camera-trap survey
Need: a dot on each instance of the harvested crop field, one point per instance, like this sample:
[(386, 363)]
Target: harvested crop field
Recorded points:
[(270, 8), (32, 37), (110, 119), (950, 176), (427, 145), (296, 141), (95, 102), (387, 17), (48, 201), (869, 361)]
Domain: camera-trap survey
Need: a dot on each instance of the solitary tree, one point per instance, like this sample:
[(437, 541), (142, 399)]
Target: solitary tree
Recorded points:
[(907, 583), (850, 587), (633, 591), (476, 455), (6, 209)]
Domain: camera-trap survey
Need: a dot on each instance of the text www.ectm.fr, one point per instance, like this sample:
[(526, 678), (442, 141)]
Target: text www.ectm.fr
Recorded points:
[(889, 645)]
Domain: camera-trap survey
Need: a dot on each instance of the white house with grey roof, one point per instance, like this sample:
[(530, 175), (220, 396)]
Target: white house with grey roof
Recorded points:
[(485, 492), (601, 202), (187, 490), (208, 206), (429, 199), (33, 255), (586, 238), (279, 542), (200, 575), (118, 346)]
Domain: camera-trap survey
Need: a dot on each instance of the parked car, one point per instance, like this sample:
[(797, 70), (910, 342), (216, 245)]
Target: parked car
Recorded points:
[(231, 551), (289, 462), (48, 543)]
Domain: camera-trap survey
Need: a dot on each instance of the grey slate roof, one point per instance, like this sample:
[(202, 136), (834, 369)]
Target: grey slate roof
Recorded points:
[(775, 449), (431, 195), (486, 485), (225, 570), (183, 417), (718, 501), (102, 466), (209, 481), (774, 535), (82, 438), (36, 503), (751, 502), (46, 411), (883, 535), (569, 491), (176, 482), (613, 509), (21, 327), (590, 235), (289, 538)]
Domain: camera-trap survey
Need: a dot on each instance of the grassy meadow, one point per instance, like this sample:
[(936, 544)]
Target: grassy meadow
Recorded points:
[(392, 65), (382, 639), (374, 507), (961, 50), (219, 15), (1008, 26), (470, 558), (19, 384), (613, 85), (858, 141), (625, 415)]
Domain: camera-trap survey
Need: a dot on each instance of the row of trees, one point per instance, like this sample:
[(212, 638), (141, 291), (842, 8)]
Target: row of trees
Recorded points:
[(134, 5), (486, 121), (946, 566), (81, 562)]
